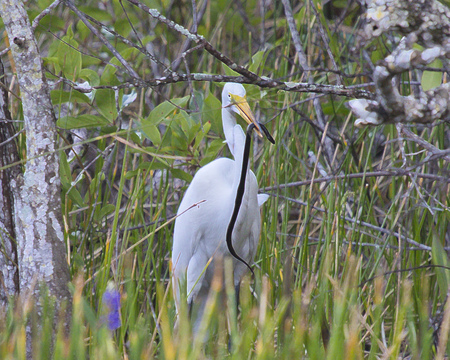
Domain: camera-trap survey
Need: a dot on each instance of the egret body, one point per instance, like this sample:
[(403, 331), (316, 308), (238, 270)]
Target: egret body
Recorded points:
[(200, 232)]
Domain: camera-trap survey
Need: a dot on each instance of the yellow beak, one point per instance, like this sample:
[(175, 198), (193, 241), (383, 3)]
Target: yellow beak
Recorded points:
[(244, 110)]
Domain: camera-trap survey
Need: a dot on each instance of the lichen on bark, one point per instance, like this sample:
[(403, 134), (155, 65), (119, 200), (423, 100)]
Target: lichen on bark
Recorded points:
[(38, 219), (423, 22)]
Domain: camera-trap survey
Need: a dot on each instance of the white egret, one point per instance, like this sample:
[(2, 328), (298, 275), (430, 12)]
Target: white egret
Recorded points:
[(200, 232)]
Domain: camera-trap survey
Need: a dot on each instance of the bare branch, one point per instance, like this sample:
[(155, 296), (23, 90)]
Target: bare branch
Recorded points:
[(264, 82), (141, 48), (435, 152), (326, 42), (44, 13), (429, 20), (197, 18), (426, 22), (390, 173), (97, 33), (366, 224), (327, 143), (198, 39)]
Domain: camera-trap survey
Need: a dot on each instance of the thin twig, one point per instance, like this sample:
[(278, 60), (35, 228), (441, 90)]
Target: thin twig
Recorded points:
[(45, 12), (197, 39), (105, 42), (396, 172), (430, 266), (4, 51), (141, 48), (194, 16), (12, 137), (425, 144), (366, 224), (325, 41), (327, 143), (184, 48)]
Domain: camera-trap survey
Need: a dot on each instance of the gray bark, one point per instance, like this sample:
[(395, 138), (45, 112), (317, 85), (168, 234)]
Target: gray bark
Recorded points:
[(38, 221), (9, 269), (424, 22)]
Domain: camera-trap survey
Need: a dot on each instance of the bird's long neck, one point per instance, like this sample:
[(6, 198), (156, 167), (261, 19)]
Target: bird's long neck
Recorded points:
[(235, 138), (228, 123), (239, 158)]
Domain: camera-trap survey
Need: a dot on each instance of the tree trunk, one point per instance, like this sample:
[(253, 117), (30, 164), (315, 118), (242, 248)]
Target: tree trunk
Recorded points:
[(37, 205), (9, 268)]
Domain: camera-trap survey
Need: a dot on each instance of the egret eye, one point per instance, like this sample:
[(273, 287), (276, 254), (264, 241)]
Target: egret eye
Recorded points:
[(229, 96)]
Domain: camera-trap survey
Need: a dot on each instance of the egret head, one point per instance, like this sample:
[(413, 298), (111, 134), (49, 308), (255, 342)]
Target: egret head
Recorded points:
[(234, 99)]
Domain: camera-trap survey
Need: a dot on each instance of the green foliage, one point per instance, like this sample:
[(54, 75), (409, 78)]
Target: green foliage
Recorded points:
[(69, 58), (441, 259), (81, 121), (432, 79)]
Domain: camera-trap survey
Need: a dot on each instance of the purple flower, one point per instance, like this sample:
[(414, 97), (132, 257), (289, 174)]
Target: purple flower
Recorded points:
[(111, 300)]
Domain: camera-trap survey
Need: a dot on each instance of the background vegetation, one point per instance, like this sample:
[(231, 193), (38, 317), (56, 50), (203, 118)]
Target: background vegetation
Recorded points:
[(353, 260)]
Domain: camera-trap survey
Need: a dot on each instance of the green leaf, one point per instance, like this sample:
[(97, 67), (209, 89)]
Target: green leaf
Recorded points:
[(201, 134), (376, 56), (44, 3), (152, 132), (211, 153), (129, 53), (439, 257), (135, 138), (105, 100), (53, 60), (212, 112), (78, 260), (64, 168), (66, 180), (122, 26), (60, 97), (81, 121), (90, 76), (178, 139), (180, 174), (51, 23), (256, 61), (106, 210), (109, 76), (183, 119), (94, 11), (82, 30), (193, 132), (74, 195), (159, 113), (149, 126), (163, 110), (69, 58), (195, 103), (229, 71), (432, 79)]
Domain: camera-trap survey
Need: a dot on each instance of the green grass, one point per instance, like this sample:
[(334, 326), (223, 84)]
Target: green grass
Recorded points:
[(338, 273)]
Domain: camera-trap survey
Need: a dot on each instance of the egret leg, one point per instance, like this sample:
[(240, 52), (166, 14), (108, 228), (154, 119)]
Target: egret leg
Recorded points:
[(190, 306), (237, 291)]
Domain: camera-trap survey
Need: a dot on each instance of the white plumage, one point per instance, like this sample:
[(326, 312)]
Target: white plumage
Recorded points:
[(200, 233)]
